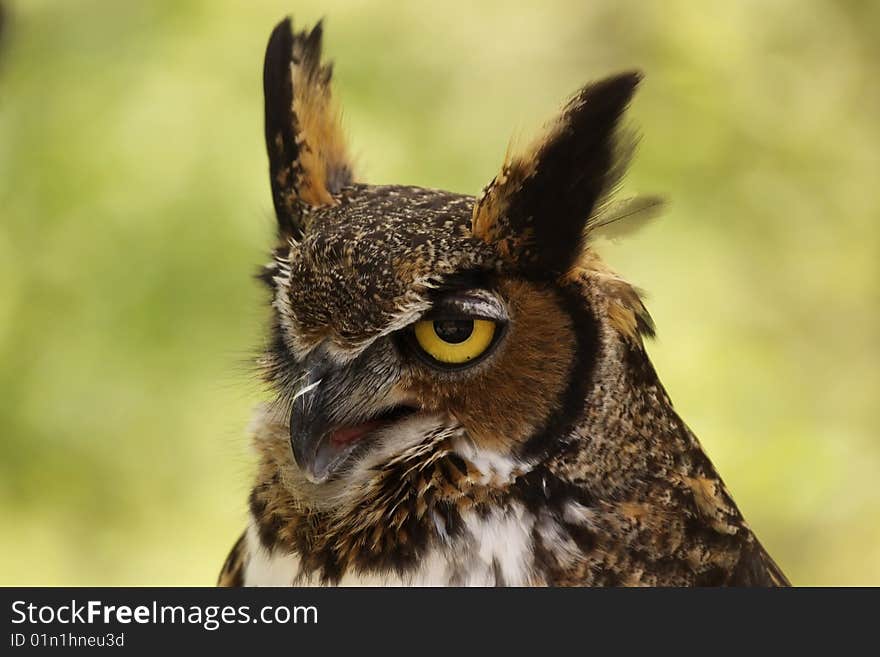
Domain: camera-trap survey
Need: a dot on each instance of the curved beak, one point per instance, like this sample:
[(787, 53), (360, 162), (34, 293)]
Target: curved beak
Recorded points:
[(309, 425), (327, 422)]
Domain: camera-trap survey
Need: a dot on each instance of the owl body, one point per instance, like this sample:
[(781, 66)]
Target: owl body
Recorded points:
[(462, 393)]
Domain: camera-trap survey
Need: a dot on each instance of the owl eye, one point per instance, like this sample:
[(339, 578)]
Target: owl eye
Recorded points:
[(454, 341)]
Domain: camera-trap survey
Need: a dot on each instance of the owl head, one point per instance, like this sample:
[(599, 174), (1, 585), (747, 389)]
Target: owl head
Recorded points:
[(410, 320)]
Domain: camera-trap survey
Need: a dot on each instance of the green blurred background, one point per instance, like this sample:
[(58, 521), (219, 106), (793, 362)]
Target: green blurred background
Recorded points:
[(134, 207)]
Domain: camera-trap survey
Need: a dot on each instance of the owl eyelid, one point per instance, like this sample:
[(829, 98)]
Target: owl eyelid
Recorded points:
[(431, 316), (476, 304)]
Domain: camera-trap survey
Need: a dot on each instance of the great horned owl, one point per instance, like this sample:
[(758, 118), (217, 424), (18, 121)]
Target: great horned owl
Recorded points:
[(463, 396)]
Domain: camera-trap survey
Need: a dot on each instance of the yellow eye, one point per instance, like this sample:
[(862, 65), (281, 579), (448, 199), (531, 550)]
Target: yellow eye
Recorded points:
[(454, 341)]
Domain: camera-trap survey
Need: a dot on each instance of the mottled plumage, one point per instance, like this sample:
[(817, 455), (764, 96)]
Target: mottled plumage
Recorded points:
[(462, 394)]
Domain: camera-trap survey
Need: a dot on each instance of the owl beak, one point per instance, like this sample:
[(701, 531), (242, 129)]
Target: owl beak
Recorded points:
[(309, 426), (322, 444)]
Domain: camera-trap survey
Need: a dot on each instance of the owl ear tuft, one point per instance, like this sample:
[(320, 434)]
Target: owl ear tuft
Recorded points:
[(308, 155), (536, 211)]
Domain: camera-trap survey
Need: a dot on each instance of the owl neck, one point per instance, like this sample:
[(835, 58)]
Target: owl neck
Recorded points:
[(429, 496)]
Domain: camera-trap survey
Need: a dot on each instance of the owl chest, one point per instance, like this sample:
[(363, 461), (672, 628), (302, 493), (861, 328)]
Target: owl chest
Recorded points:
[(492, 549)]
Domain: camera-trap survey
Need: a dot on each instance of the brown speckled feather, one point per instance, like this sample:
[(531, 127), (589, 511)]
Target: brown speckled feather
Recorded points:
[(232, 573)]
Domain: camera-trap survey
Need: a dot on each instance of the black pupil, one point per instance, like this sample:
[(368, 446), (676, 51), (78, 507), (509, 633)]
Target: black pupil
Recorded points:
[(453, 330)]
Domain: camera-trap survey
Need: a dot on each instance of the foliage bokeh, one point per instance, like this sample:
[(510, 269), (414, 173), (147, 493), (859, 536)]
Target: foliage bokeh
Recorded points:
[(134, 208)]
